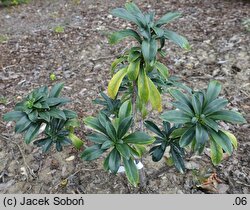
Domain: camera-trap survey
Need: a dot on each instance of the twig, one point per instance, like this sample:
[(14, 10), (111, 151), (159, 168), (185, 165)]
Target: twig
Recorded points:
[(156, 174), (101, 58), (71, 175), (238, 182), (7, 139)]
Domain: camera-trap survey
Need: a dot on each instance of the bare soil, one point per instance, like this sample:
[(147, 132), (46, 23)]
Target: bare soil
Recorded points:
[(30, 50)]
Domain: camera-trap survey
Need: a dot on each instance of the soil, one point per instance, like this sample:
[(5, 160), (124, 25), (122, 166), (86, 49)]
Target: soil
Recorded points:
[(30, 50)]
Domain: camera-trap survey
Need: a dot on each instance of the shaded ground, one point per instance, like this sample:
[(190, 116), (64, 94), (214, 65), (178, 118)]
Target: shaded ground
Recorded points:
[(30, 50)]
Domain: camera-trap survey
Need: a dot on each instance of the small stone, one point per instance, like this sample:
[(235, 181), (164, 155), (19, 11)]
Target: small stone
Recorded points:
[(97, 67), (222, 188), (179, 192), (191, 165)]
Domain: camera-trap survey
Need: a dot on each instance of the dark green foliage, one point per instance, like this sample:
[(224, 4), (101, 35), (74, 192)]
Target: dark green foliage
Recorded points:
[(166, 138), (111, 106), (199, 114), (40, 107), (113, 135), (137, 63)]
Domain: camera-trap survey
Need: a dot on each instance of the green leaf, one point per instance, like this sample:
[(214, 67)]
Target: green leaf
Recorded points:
[(154, 128), (56, 89), (177, 39), (124, 150), (97, 138), (120, 35), (196, 104), (124, 126), (138, 137), (131, 171), (58, 146), (56, 113), (177, 133), (94, 123), (111, 131), (177, 158), (232, 138), (157, 153), (137, 150), (44, 115), (154, 96), (211, 123), (22, 125), (201, 135), (106, 163), (92, 153), (37, 105), (134, 10), (114, 161), (134, 55), (133, 70), (222, 140), (183, 107), (149, 17), (107, 144), (162, 69), (158, 31), (47, 145), (31, 133), (115, 83), (72, 123), (124, 14), (33, 115), (167, 18), (13, 116), (103, 119), (181, 97), (213, 91), (215, 106), (44, 105), (149, 50), (176, 116), (57, 101), (216, 152), (125, 110), (70, 114), (187, 137), (143, 87), (115, 64), (41, 142), (228, 116), (77, 142)]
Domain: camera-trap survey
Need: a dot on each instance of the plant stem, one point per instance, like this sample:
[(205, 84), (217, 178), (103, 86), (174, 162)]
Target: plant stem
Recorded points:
[(142, 175), (134, 96)]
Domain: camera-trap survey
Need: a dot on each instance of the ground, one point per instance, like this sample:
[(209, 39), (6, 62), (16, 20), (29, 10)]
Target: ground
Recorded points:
[(80, 56)]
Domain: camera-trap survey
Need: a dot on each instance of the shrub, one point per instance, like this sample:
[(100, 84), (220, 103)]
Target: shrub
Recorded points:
[(138, 81), (42, 107)]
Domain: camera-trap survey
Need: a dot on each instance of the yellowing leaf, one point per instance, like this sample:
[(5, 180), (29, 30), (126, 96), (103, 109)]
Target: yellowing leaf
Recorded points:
[(133, 70), (77, 142), (143, 87), (232, 138), (154, 96), (64, 183), (216, 152), (115, 83)]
